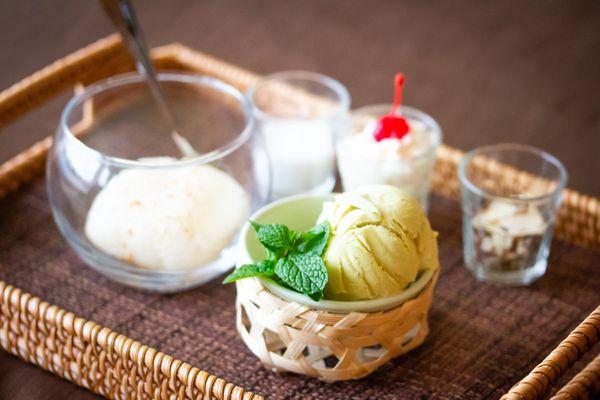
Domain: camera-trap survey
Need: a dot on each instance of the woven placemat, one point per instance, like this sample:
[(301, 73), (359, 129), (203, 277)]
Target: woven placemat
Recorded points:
[(483, 337)]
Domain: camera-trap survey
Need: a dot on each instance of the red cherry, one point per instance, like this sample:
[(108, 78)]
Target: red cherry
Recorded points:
[(392, 126)]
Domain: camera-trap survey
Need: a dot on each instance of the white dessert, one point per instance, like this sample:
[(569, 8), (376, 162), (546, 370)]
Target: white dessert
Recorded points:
[(509, 232), (302, 155), (167, 218), (406, 163), (506, 217)]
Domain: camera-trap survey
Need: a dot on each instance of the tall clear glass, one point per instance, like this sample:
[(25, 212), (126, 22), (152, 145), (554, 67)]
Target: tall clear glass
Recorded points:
[(299, 115), (128, 200), (510, 196)]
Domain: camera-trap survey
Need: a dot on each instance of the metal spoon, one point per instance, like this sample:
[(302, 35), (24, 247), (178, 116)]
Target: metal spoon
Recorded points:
[(123, 17)]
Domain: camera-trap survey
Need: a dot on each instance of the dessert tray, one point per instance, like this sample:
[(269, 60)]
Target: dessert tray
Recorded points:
[(127, 344)]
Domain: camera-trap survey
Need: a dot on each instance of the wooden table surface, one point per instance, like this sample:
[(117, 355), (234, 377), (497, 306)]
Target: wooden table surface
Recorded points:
[(488, 71)]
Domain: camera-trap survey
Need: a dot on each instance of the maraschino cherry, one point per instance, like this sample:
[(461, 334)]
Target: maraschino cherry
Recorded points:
[(393, 126)]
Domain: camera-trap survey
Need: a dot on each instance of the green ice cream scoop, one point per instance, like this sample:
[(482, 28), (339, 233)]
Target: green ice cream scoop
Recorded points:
[(380, 240)]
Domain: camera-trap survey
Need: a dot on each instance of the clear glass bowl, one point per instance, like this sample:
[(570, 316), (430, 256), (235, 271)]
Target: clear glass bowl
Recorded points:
[(407, 163), (113, 152)]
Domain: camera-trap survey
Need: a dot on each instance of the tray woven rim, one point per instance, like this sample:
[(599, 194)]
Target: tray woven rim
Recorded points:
[(23, 316)]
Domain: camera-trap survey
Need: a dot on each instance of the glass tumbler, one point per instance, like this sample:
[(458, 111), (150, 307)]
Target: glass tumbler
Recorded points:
[(510, 196), (299, 115), (133, 203)]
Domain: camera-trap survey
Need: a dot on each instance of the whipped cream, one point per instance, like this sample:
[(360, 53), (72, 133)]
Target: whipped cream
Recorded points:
[(406, 163), (414, 144)]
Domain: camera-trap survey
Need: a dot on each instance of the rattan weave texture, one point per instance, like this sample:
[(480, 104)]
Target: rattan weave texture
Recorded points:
[(118, 367), (288, 336)]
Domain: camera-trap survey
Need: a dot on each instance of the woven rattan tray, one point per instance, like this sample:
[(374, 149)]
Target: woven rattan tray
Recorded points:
[(117, 366)]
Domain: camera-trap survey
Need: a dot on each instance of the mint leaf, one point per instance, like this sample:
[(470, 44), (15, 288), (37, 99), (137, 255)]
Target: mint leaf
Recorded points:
[(255, 225), (274, 237), (305, 273), (271, 255), (263, 268), (316, 296), (314, 240)]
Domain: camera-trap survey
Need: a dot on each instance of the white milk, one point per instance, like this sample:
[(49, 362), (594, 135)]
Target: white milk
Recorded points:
[(302, 155)]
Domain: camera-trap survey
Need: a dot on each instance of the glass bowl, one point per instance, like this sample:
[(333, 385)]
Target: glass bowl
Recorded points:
[(128, 202)]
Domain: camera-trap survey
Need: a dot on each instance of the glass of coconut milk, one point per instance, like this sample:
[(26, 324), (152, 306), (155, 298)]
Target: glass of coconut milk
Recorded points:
[(299, 115)]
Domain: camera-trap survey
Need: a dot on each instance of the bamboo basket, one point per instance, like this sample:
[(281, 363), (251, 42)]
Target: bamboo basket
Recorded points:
[(118, 367), (288, 336)]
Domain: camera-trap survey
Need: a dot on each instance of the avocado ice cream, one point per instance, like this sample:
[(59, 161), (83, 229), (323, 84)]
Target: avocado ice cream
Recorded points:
[(380, 240)]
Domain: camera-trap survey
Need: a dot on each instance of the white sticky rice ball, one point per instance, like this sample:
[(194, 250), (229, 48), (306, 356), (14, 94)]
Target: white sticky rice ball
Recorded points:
[(167, 219)]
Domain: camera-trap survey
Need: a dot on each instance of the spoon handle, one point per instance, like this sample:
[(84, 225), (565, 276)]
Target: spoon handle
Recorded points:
[(122, 15)]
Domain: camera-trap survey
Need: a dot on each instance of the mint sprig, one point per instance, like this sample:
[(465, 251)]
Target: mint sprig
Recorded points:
[(293, 258)]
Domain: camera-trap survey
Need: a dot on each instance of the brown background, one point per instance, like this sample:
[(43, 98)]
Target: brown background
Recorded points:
[(488, 71)]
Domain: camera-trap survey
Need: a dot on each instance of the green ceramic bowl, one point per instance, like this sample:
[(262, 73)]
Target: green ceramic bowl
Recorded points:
[(300, 213)]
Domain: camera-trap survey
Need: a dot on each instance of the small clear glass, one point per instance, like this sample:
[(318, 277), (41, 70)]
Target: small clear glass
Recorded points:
[(406, 163), (135, 208), (299, 115), (510, 196)]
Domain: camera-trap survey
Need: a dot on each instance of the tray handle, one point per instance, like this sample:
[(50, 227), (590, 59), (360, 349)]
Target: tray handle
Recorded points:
[(539, 382), (96, 61), (94, 357)]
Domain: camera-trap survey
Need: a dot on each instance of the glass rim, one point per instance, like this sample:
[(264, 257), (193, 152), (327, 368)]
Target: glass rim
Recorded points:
[(335, 86), (182, 77), (436, 129), (467, 157)]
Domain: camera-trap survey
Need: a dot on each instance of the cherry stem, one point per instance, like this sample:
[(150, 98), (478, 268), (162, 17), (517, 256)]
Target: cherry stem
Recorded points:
[(398, 82)]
